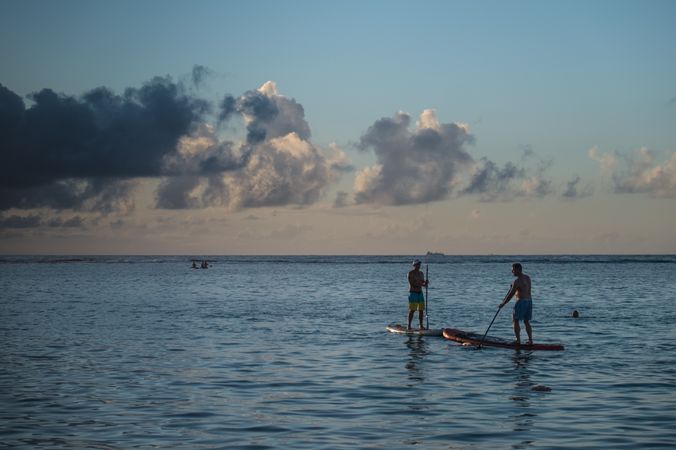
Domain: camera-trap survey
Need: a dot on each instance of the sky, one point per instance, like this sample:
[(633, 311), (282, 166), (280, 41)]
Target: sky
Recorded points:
[(351, 127)]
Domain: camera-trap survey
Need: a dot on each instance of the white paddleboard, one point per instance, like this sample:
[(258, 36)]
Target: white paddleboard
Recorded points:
[(401, 329)]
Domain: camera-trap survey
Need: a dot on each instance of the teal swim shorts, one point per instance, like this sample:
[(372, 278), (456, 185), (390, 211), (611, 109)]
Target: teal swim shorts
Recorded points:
[(416, 301), (523, 309)]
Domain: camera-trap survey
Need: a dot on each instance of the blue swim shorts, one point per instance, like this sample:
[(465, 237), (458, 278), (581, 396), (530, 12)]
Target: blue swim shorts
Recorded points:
[(523, 309), (416, 301)]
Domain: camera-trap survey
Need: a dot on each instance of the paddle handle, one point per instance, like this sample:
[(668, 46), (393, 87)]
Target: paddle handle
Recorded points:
[(427, 305), (489, 327)]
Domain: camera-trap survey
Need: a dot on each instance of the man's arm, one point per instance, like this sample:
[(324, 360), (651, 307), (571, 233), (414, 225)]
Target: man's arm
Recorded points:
[(510, 294)]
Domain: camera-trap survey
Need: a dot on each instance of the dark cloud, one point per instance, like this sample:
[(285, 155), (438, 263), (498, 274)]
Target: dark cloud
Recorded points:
[(86, 153), (73, 222), (494, 183), (15, 221), (177, 192), (490, 181), (37, 221), (64, 151), (573, 189), (267, 114), (261, 110), (103, 195), (227, 108), (413, 166), (199, 74)]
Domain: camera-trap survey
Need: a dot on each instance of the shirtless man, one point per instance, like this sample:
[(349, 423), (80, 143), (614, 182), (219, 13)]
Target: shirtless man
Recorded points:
[(416, 298), (523, 308)]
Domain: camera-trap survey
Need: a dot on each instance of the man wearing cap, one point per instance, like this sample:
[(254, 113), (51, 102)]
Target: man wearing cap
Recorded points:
[(416, 298)]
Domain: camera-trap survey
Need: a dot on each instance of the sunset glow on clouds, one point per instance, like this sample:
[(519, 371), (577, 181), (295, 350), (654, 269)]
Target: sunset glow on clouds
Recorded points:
[(198, 155)]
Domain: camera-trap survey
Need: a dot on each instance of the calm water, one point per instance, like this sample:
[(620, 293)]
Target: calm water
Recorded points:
[(292, 353)]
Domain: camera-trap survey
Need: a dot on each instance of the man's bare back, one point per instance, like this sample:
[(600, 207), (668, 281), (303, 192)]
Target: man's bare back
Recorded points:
[(522, 286), (416, 280)]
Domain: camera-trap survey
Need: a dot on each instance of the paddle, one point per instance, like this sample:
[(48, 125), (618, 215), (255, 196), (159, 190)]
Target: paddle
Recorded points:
[(427, 307), (489, 327)]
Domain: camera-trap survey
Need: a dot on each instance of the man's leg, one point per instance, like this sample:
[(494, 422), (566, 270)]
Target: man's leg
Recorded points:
[(517, 331), (420, 317), (410, 317), (528, 331)]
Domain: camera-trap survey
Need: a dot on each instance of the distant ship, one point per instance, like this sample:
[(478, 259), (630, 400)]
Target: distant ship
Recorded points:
[(435, 254)]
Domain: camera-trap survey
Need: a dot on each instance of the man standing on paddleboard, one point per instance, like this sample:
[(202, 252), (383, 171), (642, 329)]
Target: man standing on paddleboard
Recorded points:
[(523, 308), (416, 298)]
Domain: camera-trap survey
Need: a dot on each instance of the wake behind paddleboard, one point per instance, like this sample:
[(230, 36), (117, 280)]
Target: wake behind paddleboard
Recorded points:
[(401, 329), (467, 338)]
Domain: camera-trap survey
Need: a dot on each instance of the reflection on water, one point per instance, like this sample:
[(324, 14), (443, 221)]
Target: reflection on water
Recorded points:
[(524, 415), (418, 349)]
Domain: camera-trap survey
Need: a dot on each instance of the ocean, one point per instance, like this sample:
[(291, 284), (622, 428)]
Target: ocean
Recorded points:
[(142, 352)]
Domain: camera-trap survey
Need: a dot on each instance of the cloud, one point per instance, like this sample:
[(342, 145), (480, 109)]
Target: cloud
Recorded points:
[(607, 161), (491, 182), (638, 172), (16, 221), (277, 165), (431, 162), (177, 192), (199, 74), (574, 191), (95, 194), (87, 153), (65, 152), (413, 166), (36, 221), (73, 222), (281, 171), (267, 115)]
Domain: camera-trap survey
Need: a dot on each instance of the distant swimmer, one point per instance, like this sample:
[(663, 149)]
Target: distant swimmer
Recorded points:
[(575, 314), (194, 265), (523, 308), (416, 298)]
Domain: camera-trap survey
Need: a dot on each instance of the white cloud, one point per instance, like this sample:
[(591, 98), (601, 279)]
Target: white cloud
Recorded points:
[(278, 165), (269, 88), (428, 119), (638, 172), (608, 161)]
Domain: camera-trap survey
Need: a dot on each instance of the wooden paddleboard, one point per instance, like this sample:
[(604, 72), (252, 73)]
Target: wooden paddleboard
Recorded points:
[(401, 329)]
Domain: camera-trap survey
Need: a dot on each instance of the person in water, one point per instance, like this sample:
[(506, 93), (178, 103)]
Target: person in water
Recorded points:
[(416, 298), (523, 308)]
